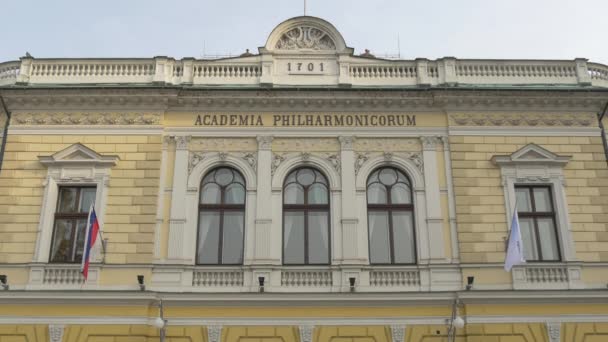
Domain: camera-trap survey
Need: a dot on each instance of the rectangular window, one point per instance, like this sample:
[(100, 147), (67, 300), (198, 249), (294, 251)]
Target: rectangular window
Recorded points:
[(70, 223), (537, 223)]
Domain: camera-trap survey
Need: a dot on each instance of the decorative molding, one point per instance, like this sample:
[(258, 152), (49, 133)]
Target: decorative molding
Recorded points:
[(554, 331), (306, 332), (430, 143), (360, 159), (264, 142), (35, 119), (398, 333), (214, 333), (222, 156), (251, 159), (346, 142), (195, 158), (277, 159), (56, 332), (181, 142), (305, 156), (305, 37), (388, 156), (553, 119), (334, 159)]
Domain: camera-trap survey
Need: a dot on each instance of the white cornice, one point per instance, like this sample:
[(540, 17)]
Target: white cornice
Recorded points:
[(526, 131), (307, 131)]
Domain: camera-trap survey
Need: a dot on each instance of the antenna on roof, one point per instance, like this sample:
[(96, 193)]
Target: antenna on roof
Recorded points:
[(304, 7), (399, 45)]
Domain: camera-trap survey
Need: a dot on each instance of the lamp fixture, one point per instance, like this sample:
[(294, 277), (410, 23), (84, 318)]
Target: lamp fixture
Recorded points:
[(159, 322), (455, 321), (140, 281), (261, 283), (470, 281), (4, 281), (351, 282)]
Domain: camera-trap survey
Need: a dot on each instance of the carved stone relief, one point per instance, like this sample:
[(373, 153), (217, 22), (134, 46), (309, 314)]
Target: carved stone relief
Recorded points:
[(504, 119), (26, 119), (305, 37), (298, 145), (397, 333), (306, 332), (278, 158), (386, 144), (197, 157), (214, 333), (223, 144), (554, 331), (55, 333), (415, 157)]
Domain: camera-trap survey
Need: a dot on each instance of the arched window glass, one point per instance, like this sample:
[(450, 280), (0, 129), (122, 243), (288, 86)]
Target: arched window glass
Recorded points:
[(390, 217), (221, 223), (306, 218)]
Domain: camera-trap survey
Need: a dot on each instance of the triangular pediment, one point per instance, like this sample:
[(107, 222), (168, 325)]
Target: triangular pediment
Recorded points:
[(78, 154), (531, 154)]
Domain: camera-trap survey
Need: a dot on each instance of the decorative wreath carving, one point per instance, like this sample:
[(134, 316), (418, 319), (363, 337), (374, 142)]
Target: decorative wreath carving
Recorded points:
[(305, 37)]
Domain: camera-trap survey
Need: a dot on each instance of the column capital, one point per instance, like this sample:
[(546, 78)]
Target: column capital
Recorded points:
[(429, 143), (182, 141), (398, 333), (306, 332), (264, 142), (214, 333), (346, 142)]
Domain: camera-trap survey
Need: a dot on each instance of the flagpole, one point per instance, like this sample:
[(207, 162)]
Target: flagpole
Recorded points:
[(86, 240)]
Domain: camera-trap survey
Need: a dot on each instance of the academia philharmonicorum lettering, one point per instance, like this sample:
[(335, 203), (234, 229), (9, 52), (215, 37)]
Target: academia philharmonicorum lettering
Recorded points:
[(310, 120), (305, 193)]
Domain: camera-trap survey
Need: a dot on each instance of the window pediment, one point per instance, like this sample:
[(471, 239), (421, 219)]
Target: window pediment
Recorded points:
[(531, 154), (78, 154)]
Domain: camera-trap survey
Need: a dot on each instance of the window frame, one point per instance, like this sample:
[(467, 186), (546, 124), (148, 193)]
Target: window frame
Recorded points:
[(221, 209), (306, 209), (73, 217), (535, 215), (389, 208)]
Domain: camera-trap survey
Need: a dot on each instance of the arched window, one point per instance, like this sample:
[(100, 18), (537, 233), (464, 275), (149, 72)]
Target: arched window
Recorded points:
[(305, 218), (390, 217), (221, 219)]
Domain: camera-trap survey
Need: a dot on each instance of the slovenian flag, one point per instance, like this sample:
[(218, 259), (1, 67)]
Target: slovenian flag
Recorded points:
[(89, 241), (515, 248)]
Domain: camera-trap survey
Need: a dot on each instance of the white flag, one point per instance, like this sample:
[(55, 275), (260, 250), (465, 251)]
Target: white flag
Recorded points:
[(515, 249)]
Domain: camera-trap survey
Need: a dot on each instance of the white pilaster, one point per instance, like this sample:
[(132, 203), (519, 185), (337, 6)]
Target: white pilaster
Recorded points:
[(451, 200), (160, 202), (433, 200), (264, 253), (350, 235), (178, 212)]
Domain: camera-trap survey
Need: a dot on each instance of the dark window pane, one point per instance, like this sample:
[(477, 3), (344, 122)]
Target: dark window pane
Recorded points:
[(294, 194), (403, 238), (209, 178), (293, 239), (88, 198), (318, 238), (208, 237), (211, 194), (68, 200), (376, 194), (400, 194), (528, 237), (379, 242), (61, 249), (232, 249), (373, 177), (78, 248), (235, 194), (548, 240), (317, 194), (319, 178), (523, 200), (542, 200)]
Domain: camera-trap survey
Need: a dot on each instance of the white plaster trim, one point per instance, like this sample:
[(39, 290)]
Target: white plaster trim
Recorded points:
[(298, 160), (80, 130), (63, 171), (527, 131), (306, 132), (282, 321)]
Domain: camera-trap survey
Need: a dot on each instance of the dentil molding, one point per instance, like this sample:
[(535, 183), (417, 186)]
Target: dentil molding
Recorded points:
[(558, 119), (118, 119)]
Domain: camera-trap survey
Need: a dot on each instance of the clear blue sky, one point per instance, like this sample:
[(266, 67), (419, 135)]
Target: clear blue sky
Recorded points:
[(555, 29)]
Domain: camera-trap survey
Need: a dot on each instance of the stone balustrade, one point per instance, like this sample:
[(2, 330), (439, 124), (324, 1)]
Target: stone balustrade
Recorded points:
[(258, 70)]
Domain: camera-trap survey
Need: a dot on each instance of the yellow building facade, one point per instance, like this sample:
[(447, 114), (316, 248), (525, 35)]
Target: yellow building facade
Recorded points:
[(303, 194)]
